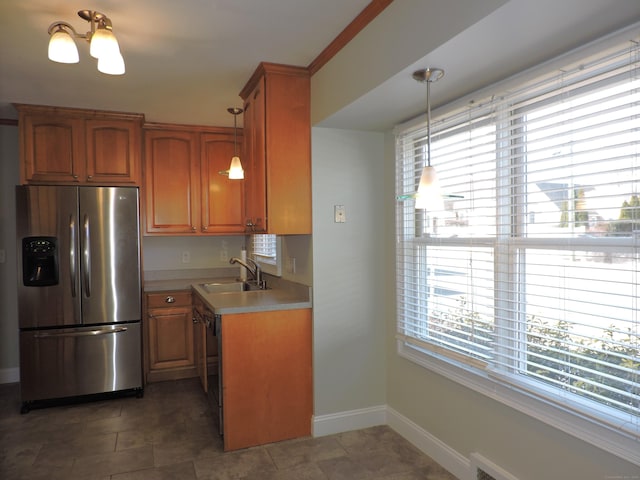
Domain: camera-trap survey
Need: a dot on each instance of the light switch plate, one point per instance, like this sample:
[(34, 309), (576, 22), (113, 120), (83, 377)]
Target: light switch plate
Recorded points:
[(339, 214)]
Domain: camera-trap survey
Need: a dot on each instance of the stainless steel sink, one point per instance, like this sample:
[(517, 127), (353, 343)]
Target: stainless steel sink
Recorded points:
[(222, 287), (227, 287)]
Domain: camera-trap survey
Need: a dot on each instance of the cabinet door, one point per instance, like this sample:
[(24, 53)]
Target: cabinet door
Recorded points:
[(288, 152), (52, 149), (222, 199), (170, 338), (255, 163), (113, 151), (277, 99), (171, 182), (267, 375)]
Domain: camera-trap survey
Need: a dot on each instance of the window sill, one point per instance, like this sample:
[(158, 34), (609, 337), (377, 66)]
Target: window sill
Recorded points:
[(597, 433)]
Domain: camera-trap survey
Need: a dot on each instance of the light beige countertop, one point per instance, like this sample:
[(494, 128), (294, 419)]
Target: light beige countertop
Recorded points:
[(280, 295), (168, 280), (254, 301)]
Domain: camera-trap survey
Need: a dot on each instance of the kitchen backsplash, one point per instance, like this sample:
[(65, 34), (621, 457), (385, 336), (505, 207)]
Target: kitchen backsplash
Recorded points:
[(183, 253), (186, 253)]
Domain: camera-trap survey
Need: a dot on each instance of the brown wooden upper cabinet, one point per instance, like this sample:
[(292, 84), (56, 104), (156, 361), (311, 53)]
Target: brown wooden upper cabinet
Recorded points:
[(184, 190), (277, 146), (77, 146)]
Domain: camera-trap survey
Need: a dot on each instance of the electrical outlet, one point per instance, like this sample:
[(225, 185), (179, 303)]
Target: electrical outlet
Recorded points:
[(339, 214), (186, 257)]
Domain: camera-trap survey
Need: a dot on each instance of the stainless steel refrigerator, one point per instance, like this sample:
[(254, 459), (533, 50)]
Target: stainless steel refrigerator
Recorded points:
[(79, 291)]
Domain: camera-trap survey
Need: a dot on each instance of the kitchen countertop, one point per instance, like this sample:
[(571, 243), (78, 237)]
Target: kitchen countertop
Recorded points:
[(281, 294), (167, 280), (254, 301)]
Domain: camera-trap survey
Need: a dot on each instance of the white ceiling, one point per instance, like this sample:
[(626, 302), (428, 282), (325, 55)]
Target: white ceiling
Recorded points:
[(188, 60), (515, 36)]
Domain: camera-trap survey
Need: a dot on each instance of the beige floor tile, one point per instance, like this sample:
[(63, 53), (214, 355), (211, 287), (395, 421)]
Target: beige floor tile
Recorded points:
[(171, 434), (62, 454), (181, 451), (300, 452), (253, 463), (105, 464), (178, 471)]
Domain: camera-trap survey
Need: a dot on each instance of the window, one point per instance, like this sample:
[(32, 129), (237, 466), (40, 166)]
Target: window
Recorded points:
[(266, 251), (529, 279)]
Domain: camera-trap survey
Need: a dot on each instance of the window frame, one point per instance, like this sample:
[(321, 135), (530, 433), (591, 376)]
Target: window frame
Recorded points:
[(575, 416), (270, 263)]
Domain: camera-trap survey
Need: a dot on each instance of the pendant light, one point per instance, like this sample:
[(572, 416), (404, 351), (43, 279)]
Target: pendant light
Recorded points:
[(235, 169), (429, 195)]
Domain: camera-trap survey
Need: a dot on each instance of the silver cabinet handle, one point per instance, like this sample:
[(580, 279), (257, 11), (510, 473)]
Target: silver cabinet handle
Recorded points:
[(86, 255), (170, 299), (85, 333), (72, 254)]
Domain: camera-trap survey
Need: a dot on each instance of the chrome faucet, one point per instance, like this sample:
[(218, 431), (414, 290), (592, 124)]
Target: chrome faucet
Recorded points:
[(255, 271)]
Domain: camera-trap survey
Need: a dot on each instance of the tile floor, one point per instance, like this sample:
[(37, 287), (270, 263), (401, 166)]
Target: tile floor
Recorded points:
[(170, 434)]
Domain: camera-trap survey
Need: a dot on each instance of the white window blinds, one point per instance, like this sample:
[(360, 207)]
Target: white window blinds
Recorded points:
[(530, 273), (263, 246), (266, 249)]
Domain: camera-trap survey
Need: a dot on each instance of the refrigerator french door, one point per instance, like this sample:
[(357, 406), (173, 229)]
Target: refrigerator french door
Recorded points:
[(79, 291)]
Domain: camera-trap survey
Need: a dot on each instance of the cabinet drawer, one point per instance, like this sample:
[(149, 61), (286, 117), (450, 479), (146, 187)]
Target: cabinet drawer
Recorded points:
[(169, 299)]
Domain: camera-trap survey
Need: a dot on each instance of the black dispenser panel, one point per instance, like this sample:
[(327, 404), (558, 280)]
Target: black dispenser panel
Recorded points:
[(39, 261)]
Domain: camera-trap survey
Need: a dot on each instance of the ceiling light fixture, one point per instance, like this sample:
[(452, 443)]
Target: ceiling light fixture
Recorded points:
[(103, 44), (235, 171), (429, 196)]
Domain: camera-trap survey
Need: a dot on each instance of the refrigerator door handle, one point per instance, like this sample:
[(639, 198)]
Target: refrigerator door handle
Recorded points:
[(72, 254), (84, 333), (86, 255)]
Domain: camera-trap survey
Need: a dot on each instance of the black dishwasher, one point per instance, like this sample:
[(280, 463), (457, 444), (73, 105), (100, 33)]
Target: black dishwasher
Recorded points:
[(214, 334), (207, 343)]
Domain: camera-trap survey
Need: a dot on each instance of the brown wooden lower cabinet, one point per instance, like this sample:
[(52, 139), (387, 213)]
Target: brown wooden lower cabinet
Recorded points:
[(267, 377), (170, 349), (267, 391)]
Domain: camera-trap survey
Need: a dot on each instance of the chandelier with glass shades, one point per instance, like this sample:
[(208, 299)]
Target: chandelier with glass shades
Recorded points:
[(103, 44)]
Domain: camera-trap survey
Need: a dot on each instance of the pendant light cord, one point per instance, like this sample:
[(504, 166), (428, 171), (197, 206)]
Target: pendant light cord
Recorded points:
[(428, 123), (235, 134)]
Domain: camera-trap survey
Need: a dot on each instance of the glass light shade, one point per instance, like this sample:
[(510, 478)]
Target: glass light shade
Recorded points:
[(103, 43), (112, 64), (235, 170), (62, 48), (429, 195)]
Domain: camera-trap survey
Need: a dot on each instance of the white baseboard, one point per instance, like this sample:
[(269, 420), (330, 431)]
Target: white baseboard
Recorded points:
[(431, 446), (350, 420), (9, 375)]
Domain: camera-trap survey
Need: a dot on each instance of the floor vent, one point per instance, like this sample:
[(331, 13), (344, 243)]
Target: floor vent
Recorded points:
[(482, 475), (483, 469)]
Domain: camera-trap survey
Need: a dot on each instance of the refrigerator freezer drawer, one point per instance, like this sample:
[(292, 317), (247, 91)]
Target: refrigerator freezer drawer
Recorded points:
[(79, 361)]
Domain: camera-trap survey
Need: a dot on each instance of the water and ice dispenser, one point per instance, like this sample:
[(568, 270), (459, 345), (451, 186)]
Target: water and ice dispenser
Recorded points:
[(39, 261)]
